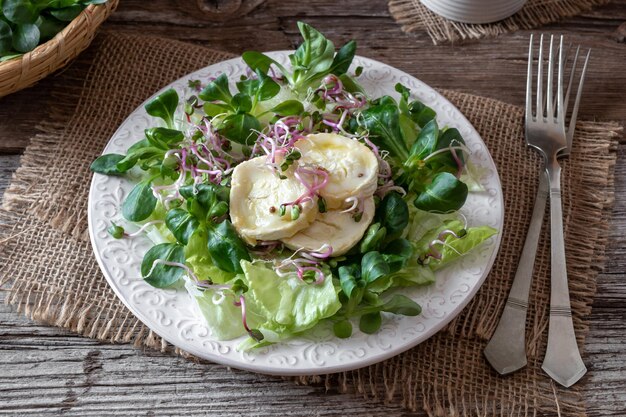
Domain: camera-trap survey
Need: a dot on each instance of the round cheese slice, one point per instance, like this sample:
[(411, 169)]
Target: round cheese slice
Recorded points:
[(255, 197), (334, 228), (352, 166)]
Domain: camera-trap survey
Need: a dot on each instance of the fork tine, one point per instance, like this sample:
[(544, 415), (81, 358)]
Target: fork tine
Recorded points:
[(571, 80), (560, 114), (539, 112), (529, 82), (564, 59), (572, 122), (549, 109)]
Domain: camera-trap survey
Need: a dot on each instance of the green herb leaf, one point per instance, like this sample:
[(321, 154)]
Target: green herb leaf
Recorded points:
[(140, 203), (397, 254), (217, 90), (49, 27), (239, 128), (443, 195), (182, 224), (163, 138), (25, 37), (107, 164), (257, 61), (420, 113), (163, 276), (263, 87), (242, 103), (348, 277), (343, 59), (400, 304), (426, 142), (164, 106), (373, 267), (373, 238), (342, 329), (213, 109), (226, 248), (288, 108), (382, 122), (370, 323), (393, 214)]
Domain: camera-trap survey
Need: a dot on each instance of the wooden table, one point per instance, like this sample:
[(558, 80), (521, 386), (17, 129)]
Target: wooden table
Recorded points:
[(48, 371)]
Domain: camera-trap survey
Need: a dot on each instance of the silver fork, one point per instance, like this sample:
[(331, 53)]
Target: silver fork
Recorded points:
[(506, 349)]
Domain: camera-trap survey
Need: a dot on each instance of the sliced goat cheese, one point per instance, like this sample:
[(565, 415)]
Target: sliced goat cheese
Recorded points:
[(334, 228), (352, 166), (255, 198)]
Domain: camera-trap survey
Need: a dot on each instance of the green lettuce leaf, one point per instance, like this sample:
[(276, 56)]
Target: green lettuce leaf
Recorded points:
[(198, 258), (281, 307), (221, 315), (456, 248)]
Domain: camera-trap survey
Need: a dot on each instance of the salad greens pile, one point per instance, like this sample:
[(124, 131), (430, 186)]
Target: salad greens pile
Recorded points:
[(24, 24), (268, 291)]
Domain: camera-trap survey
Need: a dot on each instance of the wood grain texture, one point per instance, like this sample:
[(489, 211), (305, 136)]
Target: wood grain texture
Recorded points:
[(47, 371)]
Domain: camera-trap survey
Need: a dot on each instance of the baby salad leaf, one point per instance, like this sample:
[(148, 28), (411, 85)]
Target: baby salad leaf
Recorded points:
[(373, 266), (382, 122), (163, 275), (370, 322), (162, 137), (393, 213), (444, 194), (239, 127), (164, 106), (182, 224), (426, 142), (313, 58), (449, 137), (374, 237), (420, 113), (400, 304), (259, 62), (262, 88), (343, 59), (288, 108), (226, 247), (140, 203), (342, 329), (348, 277), (107, 164), (241, 102), (217, 90)]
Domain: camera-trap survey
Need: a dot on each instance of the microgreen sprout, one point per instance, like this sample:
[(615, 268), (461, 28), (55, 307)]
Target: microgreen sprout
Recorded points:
[(307, 265), (434, 252), (253, 333)]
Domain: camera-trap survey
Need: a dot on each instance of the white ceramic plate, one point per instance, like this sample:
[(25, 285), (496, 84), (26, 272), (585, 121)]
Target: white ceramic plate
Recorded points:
[(171, 313)]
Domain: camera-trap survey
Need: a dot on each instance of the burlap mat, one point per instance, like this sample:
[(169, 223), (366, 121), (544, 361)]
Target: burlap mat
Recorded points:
[(415, 17), (47, 261)]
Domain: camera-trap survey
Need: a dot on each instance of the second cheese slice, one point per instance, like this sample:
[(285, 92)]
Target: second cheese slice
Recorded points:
[(333, 228)]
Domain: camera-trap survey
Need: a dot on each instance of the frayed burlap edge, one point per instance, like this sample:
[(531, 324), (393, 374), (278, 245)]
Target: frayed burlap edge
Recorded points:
[(415, 17)]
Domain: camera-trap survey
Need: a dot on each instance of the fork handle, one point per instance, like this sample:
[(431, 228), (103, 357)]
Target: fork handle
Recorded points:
[(562, 361), (506, 351)]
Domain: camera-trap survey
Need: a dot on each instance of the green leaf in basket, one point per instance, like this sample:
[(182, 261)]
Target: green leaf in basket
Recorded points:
[(67, 14), (20, 11), (25, 37), (6, 37), (49, 27)]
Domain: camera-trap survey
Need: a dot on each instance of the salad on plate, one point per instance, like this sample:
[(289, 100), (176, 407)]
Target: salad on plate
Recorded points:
[(289, 196)]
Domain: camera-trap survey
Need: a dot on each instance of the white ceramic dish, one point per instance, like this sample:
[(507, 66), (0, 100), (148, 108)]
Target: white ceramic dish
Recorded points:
[(170, 313), (475, 11)]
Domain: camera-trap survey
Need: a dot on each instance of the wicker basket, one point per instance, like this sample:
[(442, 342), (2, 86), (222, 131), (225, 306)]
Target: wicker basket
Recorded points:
[(26, 70)]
